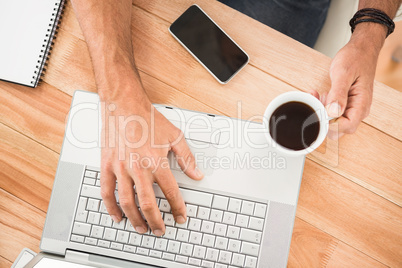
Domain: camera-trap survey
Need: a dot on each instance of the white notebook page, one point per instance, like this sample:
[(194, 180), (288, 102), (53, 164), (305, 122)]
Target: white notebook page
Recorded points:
[(23, 29)]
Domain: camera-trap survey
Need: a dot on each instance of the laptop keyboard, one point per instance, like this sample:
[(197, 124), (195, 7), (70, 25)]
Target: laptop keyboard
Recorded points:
[(220, 231)]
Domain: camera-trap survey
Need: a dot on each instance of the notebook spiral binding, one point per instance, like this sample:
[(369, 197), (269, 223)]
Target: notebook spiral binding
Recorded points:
[(48, 43)]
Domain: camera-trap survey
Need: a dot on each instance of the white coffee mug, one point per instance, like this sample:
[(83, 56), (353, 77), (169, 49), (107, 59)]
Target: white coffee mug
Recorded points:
[(311, 101)]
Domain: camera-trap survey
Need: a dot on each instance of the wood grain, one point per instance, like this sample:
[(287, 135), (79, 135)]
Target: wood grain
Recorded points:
[(20, 225), (26, 168), (4, 262), (282, 57), (160, 57), (349, 210), (327, 250)]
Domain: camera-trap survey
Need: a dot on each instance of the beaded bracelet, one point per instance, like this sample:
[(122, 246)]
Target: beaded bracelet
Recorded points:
[(372, 15)]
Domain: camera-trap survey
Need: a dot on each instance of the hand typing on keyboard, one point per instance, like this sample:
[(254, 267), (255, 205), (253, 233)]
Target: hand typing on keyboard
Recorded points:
[(220, 231), (126, 122), (144, 161)]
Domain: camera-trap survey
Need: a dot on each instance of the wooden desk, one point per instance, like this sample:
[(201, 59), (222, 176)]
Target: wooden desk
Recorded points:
[(349, 211)]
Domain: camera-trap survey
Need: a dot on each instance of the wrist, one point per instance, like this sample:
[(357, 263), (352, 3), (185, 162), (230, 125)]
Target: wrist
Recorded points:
[(369, 36), (122, 86)]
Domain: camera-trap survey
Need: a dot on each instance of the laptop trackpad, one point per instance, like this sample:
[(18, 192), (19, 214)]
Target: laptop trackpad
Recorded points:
[(201, 152)]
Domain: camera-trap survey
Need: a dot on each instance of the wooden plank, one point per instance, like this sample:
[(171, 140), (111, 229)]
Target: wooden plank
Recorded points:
[(282, 57), (40, 113), (20, 225), (160, 56), (357, 217), (27, 168), (4, 262), (346, 148), (311, 247)]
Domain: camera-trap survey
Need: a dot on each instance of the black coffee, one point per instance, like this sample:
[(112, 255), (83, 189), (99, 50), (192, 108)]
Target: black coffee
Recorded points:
[(294, 125)]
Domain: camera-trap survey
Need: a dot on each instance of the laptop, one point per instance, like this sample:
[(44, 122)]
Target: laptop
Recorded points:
[(240, 215)]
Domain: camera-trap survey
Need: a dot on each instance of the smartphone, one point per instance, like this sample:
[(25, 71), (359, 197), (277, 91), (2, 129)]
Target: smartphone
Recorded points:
[(209, 44)]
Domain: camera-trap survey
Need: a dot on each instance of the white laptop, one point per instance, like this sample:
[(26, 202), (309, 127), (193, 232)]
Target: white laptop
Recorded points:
[(240, 215)]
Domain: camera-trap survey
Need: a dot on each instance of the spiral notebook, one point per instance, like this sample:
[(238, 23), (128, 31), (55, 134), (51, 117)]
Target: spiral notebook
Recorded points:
[(27, 29)]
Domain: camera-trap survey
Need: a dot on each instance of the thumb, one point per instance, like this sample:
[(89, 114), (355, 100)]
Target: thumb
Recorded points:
[(337, 97), (186, 160)]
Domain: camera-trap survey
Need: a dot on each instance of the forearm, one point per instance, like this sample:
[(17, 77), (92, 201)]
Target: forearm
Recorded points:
[(373, 34), (107, 29)]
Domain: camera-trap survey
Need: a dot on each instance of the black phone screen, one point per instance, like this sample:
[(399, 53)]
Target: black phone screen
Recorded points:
[(209, 43)]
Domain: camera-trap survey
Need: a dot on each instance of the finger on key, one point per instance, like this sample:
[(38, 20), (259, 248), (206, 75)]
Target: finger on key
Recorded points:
[(108, 186), (147, 200), (170, 189), (127, 203)]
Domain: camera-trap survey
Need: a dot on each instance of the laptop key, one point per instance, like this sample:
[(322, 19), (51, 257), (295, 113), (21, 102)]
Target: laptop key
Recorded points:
[(110, 234), (80, 228), (97, 231), (91, 191), (77, 238), (233, 232), (220, 229), (250, 235), (91, 174), (229, 218), (234, 205), (238, 259), (220, 202), (170, 232), (168, 256), (195, 238), (216, 215), (221, 243), (242, 220), (194, 224), (183, 235), (135, 239), (129, 248), (247, 208), (186, 249), (249, 249), (89, 181), (203, 213), (260, 210), (116, 246), (161, 244), (181, 259), (173, 246), (91, 241), (225, 257), (103, 244), (93, 218), (195, 262), (234, 245), (148, 241), (142, 251), (256, 223), (199, 252), (191, 210), (169, 219), (212, 254), (122, 236), (106, 220), (155, 254), (120, 225), (164, 205), (207, 227), (207, 264), (208, 240), (251, 262)]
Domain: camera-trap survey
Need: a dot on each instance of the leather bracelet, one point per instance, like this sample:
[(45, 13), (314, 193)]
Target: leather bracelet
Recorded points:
[(372, 15)]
